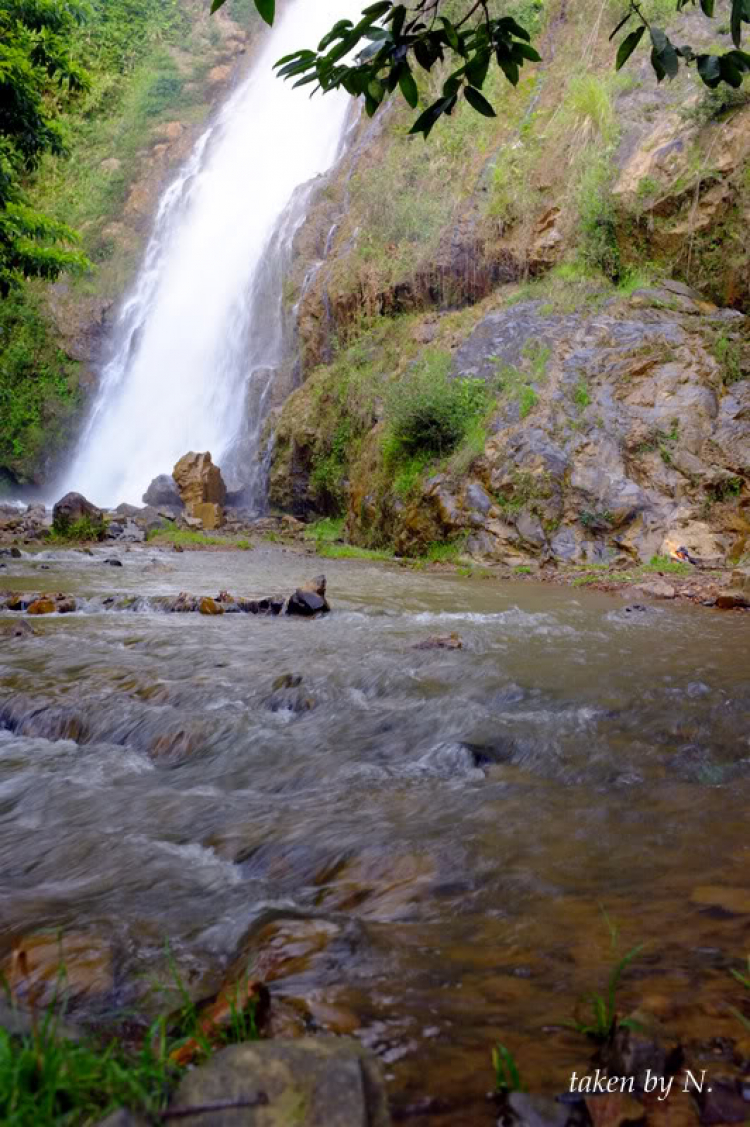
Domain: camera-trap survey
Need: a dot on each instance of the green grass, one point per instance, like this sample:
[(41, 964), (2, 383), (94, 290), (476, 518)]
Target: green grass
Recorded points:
[(350, 552), (326, 530), (666, 563), (603, 1007), (183, 537), (47, 1080), (581, 396), (243, 545), (507, 1075), (77, 532), (522, 569), (445, 551)]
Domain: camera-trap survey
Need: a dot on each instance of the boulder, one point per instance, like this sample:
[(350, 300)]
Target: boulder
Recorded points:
[(440, 642), (199, 481), (209, 514), (309, 598), (163, 493), (327, 1081), (72, 509), (307, 604), (42, 606)]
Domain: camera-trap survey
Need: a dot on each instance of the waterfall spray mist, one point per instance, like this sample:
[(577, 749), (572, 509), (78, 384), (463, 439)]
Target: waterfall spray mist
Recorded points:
[(202, 324)]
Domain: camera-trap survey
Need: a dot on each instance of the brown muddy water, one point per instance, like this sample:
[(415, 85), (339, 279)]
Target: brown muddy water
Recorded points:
[(416, 845)]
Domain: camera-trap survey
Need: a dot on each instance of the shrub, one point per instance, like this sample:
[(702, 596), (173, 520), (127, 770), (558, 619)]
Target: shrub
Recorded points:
[(430, 413)]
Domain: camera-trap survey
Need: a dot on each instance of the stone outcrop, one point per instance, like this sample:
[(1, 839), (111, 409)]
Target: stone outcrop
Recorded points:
[(617, 431), (201, 488), (319, 1081), (74, 510)]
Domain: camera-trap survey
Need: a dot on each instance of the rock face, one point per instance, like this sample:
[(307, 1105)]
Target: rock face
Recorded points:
[(616, 432), (74, 508), (201, 488), (163, 493), (313, 1082)]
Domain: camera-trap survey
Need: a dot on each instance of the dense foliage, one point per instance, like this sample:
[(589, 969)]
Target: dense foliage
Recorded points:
[(38, 73), (392, 40)]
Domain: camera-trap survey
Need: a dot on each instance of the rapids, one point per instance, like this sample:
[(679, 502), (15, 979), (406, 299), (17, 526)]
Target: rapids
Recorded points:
[(432, 836)]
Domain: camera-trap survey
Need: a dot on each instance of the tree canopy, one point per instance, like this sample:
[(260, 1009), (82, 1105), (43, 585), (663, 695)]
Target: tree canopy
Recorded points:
[(37, 75), (381, 52)]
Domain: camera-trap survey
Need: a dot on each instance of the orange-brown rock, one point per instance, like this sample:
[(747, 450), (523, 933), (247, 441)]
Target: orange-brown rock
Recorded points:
[(208, 605), (200, 483), (42, 969), (44, 605), (209, 514)]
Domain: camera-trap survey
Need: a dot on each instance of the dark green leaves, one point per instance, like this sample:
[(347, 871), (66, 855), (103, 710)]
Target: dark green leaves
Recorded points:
[(408, 86), (628, 45), (730, 67), (478, 102), (391, 43), (266, 8)]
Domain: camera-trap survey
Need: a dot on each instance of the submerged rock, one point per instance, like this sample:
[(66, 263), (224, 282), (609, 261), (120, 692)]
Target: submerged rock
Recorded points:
[(440, 642), (328, 1081), (309, 599)]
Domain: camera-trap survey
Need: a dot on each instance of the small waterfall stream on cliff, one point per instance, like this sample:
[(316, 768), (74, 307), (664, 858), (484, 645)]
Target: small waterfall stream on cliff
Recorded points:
[(198, 337)]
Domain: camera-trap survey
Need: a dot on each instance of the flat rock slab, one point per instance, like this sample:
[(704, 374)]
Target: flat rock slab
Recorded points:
[(310, 1082)]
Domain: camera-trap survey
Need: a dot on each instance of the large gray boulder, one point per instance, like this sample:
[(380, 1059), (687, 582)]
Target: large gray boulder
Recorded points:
[(74, 513), (163, 493), (313, 1082)]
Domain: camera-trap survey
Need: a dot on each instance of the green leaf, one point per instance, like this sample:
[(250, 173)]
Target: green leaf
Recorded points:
[(735, 21), (375, 11), (707, 7), (709, 69), (628, 45), (621, 25), (216, 5), (730, 73), (664, 49), (266, 9), (451, 34), (527, 52), (336, 32), (478, 102), (477, 67), (408, 86)]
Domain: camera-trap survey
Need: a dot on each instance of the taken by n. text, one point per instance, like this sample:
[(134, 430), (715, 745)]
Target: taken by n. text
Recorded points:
[(599, 1084)]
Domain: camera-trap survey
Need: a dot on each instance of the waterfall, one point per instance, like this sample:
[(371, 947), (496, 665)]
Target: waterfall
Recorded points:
[(196, 341)]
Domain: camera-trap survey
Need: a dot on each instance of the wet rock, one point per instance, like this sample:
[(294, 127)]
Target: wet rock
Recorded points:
[(615, 1110), (11, 553), (289, 699), (732, 599), (163, 492), (740, 580), (209, 606), (184, 603), (734, 900), (42, 606), (21, 629), (724, 1102), (645, 1046), (64, 604), (658, 589), (71, 509), (440, 642), (494, 751), (537, 1111), (309, 599), (320, 1081), (32, 969), (20, 1022), (113, 561), (287, 681)]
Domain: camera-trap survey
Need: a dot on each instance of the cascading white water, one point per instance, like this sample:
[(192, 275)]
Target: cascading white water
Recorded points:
[(203, 323)]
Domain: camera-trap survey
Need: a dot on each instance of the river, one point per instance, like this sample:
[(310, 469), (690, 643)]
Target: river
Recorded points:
[(424, 846)]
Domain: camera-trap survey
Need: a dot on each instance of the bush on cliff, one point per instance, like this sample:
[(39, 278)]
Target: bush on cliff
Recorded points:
[(428, 412)]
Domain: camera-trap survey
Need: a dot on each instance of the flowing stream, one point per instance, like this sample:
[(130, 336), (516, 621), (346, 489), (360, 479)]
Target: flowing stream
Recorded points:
[(198, 337), (415, 845)]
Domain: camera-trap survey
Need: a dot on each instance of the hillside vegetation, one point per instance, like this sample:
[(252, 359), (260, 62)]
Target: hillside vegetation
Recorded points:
[(156, 68)]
